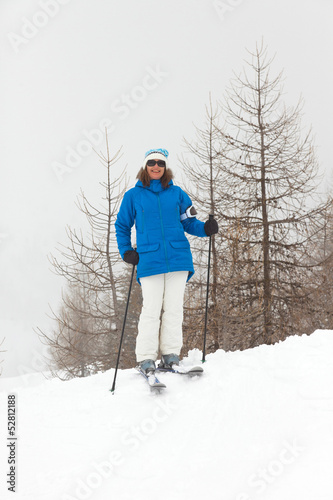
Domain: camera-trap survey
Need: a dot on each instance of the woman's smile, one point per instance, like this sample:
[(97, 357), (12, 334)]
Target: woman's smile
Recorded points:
[(155, 172)]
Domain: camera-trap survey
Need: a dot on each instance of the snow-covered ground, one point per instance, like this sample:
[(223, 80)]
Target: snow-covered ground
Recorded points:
[(257, 425)]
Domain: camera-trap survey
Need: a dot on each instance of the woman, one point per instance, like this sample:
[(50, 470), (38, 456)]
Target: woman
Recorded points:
[(161, 212)]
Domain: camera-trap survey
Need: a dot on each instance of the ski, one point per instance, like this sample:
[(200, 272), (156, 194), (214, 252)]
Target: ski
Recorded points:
[(191, 372), (153, 382)]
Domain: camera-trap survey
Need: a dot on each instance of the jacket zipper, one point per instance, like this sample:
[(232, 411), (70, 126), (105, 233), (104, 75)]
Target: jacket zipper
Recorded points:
[(165, 248)]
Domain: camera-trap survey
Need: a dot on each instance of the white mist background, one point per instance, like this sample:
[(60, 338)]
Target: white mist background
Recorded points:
[(76, 73)]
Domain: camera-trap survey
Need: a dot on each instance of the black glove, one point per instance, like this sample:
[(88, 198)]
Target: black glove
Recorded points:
[(211, 227), (131, 257)]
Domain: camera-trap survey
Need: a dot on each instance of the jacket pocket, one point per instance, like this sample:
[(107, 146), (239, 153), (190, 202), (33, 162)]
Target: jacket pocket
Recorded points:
[(180, 244), (148, 248)]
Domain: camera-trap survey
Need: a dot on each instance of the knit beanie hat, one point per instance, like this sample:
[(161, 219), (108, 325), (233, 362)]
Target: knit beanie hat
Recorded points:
[(156, 154)]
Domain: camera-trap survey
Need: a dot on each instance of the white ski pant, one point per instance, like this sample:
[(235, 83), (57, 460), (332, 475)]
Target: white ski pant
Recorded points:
[(161, 291)]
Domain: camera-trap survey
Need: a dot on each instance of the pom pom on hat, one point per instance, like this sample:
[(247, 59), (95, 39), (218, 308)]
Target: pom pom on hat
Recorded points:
[(156, 154)]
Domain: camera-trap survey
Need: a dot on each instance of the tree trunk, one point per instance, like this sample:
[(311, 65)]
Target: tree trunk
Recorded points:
[(265, 240)]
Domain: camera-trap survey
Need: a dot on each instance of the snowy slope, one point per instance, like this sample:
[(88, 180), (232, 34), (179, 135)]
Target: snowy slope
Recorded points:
[(257, 425)]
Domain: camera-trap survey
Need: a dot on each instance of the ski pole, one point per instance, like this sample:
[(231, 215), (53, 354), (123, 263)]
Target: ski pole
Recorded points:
[(122, 333), (207, 292)]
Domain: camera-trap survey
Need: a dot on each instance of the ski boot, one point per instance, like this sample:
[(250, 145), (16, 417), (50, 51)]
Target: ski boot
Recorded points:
[(169, 361), (148, 366)]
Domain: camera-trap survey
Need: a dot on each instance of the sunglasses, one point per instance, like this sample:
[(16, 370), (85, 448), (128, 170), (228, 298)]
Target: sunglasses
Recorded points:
[(152, 163)]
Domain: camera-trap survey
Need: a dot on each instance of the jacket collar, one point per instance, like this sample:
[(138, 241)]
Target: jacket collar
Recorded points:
[(155, 186)]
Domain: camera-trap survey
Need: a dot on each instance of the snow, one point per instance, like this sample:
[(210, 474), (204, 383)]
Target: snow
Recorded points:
[(258, 425)]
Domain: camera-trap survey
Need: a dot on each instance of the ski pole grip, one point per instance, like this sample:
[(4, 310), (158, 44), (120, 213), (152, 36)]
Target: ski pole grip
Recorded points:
[(211, 216)]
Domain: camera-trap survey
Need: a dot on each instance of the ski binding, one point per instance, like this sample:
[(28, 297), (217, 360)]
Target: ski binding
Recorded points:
[(153, 382)]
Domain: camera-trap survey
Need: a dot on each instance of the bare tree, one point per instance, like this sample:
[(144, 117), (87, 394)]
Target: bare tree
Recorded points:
[(88, 324), (266, 201), (270, 173), (74, 342), (201, 181)]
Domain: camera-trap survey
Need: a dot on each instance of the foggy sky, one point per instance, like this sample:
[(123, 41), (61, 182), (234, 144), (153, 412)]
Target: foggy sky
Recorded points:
[(144, 69)]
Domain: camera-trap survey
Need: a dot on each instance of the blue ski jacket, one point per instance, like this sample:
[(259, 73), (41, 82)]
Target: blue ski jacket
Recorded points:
[(161, 242)]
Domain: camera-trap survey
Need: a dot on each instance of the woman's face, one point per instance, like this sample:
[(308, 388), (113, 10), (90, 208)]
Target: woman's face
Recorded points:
[(155, 172)]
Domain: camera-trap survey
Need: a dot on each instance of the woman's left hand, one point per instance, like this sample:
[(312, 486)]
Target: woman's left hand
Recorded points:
[(211, 227)]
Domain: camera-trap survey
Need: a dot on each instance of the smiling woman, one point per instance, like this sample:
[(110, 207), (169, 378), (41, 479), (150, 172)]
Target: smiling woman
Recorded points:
[(159, 210), (155, 168)]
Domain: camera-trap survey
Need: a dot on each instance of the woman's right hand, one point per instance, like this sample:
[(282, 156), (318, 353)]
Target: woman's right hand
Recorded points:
[(131, 257)]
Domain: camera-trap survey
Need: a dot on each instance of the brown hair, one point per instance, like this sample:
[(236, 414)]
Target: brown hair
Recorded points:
[(143, 176)]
